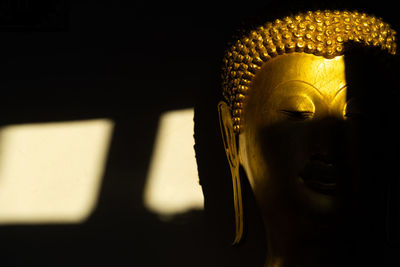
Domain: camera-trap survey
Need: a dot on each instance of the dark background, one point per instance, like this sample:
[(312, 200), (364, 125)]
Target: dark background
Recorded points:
[(62, 60)]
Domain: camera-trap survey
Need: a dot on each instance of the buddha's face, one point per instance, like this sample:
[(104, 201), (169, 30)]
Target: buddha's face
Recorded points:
[(296, 143)]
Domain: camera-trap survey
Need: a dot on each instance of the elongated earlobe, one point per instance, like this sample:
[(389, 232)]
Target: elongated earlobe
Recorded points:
[(232, 154)]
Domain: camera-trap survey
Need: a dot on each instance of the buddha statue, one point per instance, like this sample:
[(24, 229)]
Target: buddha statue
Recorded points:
[(289, 119)]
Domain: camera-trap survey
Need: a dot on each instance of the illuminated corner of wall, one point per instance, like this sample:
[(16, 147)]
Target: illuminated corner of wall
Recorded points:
[(172, 183), (51, 172)]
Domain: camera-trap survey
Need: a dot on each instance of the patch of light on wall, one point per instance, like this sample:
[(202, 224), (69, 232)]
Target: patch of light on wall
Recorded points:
[(51, 172), (172, 183)]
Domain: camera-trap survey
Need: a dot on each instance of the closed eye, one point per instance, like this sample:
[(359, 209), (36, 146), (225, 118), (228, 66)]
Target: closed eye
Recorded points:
[(298, 115)]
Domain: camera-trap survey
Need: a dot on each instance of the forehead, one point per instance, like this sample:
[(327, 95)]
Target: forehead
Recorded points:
[(327, 76)]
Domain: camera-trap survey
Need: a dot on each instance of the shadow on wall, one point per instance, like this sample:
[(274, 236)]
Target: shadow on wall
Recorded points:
[(88, 73), (121, 230)]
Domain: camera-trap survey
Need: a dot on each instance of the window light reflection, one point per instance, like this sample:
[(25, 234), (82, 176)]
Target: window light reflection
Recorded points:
[(172, 183), (51, 172)]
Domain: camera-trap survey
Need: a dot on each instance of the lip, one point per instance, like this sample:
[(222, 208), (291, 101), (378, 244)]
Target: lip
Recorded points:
[(320, 177)]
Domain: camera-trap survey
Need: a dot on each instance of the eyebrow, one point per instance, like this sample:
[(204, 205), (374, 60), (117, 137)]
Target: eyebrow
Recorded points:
[(316, 89), (340, 90)]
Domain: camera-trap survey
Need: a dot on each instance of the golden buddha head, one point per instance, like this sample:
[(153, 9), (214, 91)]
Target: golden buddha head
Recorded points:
[(288, 120)]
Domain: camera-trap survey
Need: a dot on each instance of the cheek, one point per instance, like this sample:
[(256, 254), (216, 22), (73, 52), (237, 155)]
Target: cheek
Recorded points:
[(277, 153), (285, 147)]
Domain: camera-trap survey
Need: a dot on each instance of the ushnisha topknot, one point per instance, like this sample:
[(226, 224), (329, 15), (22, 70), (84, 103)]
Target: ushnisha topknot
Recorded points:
[(322, 33)]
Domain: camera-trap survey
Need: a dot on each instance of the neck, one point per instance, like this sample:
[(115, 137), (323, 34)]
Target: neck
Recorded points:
[(293, 250)]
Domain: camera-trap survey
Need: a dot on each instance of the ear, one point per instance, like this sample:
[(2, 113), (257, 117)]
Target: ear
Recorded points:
[(228, 135), (229, 139)]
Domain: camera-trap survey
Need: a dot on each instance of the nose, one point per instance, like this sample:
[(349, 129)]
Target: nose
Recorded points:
[(327, 140)]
